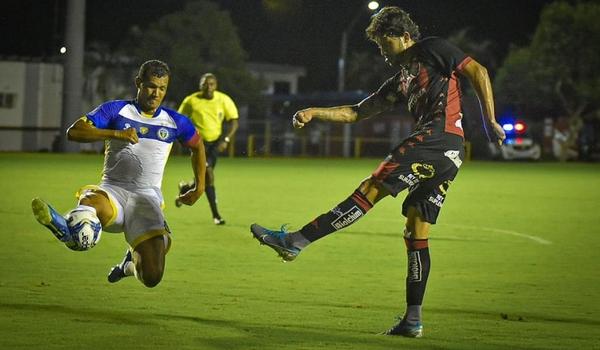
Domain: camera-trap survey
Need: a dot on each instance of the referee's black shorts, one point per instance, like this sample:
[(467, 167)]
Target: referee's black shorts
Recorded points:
[(212, 153)]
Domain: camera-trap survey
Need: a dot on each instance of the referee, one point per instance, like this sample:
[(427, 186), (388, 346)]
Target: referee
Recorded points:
[(208, 109)]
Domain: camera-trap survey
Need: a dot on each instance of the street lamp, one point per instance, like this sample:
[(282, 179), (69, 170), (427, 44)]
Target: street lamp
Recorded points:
[(373, 5)]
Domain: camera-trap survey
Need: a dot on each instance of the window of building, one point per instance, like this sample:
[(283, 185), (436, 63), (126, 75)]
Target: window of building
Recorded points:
[(7, 100), (281, 88)]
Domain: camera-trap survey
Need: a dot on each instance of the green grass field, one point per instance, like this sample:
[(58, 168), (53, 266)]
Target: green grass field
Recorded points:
[(515, 263)]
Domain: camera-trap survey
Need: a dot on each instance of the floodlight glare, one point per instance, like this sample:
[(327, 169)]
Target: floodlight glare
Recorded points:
[(63, 50), (373, 5)]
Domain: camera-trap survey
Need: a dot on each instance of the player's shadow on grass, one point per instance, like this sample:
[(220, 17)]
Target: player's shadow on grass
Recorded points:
[(81, 314), (249, 335), (229, 334)]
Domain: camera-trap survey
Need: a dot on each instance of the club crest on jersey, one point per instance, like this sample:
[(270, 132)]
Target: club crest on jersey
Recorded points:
[(162, 133), (423, 171)]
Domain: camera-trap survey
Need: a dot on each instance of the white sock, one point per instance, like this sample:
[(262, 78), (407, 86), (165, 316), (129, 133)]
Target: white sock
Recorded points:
[(129, 268)]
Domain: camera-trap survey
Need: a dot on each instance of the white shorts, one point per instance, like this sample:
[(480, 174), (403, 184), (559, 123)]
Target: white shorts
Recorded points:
[(137, 213)]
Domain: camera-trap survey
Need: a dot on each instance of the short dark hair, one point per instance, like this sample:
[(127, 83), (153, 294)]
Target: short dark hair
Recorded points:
[(206, 76), (153, 68), (392, 21)]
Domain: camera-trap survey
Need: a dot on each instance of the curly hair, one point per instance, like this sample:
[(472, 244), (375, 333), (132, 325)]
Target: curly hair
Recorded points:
[(154, 68), (392, 21)]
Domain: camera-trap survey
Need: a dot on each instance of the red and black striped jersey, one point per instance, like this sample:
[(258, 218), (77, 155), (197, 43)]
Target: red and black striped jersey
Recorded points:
[(429, 86)]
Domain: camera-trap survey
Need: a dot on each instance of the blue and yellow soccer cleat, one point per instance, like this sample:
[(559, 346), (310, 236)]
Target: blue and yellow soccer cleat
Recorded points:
[(404, 329), (47, 216), (276, 240), (118, 271)]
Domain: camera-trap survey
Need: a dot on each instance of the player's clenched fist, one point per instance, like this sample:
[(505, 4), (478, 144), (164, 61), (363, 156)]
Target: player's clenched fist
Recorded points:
[(500, 134), (301, 117), (130, 135)]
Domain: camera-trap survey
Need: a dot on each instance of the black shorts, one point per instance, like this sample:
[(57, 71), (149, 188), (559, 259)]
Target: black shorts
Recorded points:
[(426, 165), (211, 150)]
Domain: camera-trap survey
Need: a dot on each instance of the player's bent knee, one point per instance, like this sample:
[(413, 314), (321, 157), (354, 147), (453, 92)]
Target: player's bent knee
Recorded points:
[(151, 278), (151, 260), (150, 271), (373, 189)]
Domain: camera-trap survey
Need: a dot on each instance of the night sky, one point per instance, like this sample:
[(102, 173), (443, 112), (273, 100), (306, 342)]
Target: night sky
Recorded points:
[(301, 32)]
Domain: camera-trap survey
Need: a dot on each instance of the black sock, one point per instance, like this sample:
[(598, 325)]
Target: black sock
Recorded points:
[(345, 214), (211, 195), (418, 270)]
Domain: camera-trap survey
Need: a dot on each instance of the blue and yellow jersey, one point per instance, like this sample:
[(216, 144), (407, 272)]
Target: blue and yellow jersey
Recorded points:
[(140, 165), (208, 115)]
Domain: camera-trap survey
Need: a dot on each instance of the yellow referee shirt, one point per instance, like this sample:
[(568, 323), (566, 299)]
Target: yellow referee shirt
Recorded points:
[(208, 115)]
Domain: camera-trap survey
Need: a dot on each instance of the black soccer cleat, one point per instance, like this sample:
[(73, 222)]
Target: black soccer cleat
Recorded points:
[(118, 271)]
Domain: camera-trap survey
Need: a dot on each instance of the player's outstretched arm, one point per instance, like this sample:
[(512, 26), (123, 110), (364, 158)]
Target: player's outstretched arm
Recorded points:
[(479, 78), (341, 114), (199, 168), (367, 108), (83, 131)]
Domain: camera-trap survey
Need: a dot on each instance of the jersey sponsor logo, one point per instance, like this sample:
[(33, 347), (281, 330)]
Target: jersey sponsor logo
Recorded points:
[(414, 267), (163, 133), (143, 130), (409, 179), (423, 171), (454, 157), (347, 218), (337, 211), (438, 200)]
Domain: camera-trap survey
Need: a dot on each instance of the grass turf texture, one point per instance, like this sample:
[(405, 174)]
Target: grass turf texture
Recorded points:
[(514, 263)]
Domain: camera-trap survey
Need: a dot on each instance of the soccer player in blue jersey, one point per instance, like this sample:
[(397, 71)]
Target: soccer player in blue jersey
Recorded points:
[(138, 136), (425, 163)]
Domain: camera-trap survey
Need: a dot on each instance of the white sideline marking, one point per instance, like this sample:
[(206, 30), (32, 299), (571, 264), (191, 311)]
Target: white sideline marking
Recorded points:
[(490, 229), (506, 232)]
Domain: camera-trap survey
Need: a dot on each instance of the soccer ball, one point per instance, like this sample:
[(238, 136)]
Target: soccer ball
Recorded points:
[(85, 229)]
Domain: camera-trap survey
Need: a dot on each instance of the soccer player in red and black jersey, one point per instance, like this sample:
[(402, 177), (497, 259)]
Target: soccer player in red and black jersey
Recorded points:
[(425, 163)]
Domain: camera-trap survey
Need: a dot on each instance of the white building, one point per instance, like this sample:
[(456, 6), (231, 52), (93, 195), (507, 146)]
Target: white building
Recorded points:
[(30, 105), (279, 78)]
